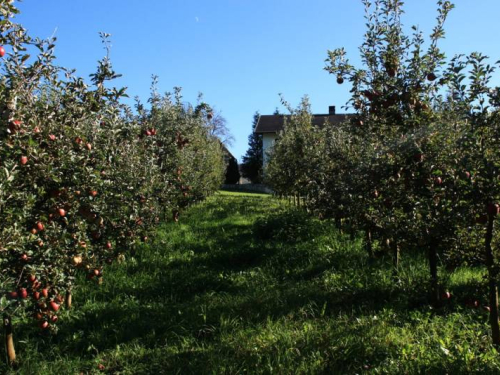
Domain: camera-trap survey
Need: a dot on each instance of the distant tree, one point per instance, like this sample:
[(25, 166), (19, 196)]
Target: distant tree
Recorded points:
[(251, 167), (232, 170)]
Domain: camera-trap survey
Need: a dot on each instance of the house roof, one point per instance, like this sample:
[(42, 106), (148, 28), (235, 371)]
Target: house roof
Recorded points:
[(275, 123)]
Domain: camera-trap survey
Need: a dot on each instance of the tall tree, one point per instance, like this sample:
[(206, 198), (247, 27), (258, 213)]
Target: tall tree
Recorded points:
[(251, 167)]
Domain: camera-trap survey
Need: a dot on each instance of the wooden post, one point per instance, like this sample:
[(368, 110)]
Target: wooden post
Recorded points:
[(492, 283), (433, 259), (68, 299), (9, 340)]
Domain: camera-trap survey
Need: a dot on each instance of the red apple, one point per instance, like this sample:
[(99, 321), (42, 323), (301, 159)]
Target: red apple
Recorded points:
[(61, 212), (438, 180), (493, 209), (2, 51), (45, 292), (446, 295), (483, 219), (54, 306), (54, 318), (487, 308), (52, 137), (44, 324), (418, 157), (40, 226), (36, 296), (24, 160), (108, 245), (78, 140), (89, 146), (23, 293), (13, 294), (32, 278)]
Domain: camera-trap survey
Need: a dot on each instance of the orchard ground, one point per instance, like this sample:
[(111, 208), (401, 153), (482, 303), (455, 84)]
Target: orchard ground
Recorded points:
[(245, 283)]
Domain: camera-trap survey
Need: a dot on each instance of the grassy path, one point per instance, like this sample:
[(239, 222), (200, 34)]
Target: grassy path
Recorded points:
[(244, 285)]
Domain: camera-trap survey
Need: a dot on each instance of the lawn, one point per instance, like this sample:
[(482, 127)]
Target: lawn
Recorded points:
[(246, 284)]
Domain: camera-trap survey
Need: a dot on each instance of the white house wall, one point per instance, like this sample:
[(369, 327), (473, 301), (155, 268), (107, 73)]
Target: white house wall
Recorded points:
[(267, 142)]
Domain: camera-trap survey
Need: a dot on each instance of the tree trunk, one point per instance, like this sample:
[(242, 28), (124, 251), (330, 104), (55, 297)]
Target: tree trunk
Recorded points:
[(338, 222), (433, 260), (395, 255), (368, 242), (68, 299), (9, 340), (492, 283)]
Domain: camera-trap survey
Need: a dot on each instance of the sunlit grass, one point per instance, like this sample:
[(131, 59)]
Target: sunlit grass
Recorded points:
[(246, 284)]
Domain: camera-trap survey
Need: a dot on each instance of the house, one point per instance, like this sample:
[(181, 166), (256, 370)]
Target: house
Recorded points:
[(270, 126)]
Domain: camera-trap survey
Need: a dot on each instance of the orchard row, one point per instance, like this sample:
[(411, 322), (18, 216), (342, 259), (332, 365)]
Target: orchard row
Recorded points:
[(83, 177), (417, 166)]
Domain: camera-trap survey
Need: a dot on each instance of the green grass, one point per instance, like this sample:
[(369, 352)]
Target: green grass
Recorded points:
[(245, 284)]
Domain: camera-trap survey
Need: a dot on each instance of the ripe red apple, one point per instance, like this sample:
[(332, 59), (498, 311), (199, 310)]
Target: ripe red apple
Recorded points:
[(418, 157), (44, 324), (23, 293), (78, 140), (54, 318), (487, 308), (101, 367), (36, 296), (89, 146), (45, 292), (108, 245), (340, 80), (38, 316), (148, 132), (24, 257), (97, 272), (93, 193), (61, 212), (77, 260), (438, 180), (32, 278), (446, 295), (483, 219), (40, 226), (36, 130), (24, 160), (392, 72), (493, 209), (375, 194), (2, 51), (33, 231), (431, 76), (13, 294), (52, 137), (54, 305)]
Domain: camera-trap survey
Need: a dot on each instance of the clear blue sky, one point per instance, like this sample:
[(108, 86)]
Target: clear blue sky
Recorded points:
[(239, 53)]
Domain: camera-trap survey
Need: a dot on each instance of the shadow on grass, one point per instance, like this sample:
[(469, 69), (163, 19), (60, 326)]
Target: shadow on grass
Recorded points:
[(181, 295)]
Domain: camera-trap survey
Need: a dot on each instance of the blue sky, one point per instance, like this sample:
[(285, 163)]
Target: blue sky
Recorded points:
[(239, 53)]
